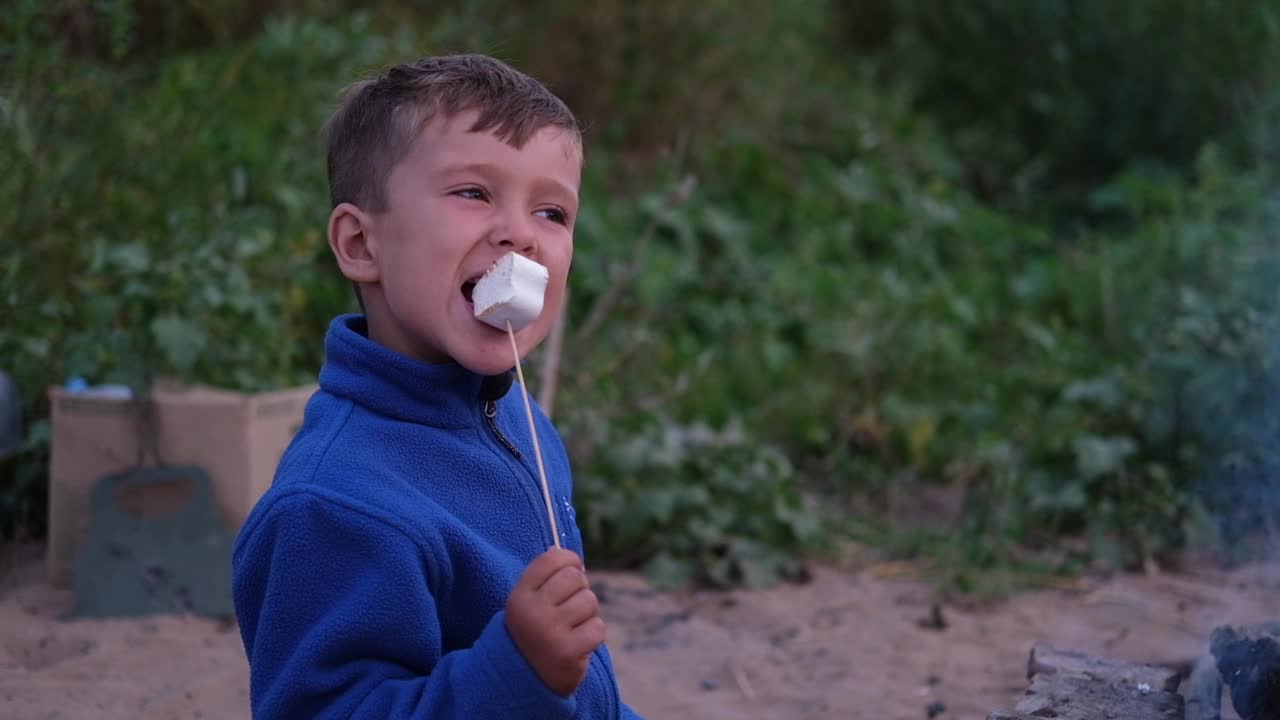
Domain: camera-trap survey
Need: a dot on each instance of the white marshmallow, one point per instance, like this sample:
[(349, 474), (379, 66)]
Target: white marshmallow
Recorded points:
[(512, 290)]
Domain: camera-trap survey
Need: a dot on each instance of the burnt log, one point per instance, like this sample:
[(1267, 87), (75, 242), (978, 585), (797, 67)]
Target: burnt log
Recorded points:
[(1046, 660), (1248, 659), (1075, 686)]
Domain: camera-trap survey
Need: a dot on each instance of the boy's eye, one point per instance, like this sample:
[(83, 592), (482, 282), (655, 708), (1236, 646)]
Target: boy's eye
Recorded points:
[(471, 193), (555, 215)]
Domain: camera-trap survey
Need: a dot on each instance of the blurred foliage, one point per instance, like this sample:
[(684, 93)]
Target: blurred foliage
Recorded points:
[(1046, 99), (829, 257)]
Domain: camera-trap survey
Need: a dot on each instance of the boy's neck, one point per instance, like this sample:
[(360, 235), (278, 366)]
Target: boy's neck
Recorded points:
[(495, 387)]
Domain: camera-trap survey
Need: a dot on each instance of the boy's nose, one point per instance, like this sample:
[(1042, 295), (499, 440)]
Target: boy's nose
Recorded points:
[(516, 233)]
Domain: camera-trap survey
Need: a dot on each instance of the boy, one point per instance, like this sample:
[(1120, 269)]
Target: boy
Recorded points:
[(398, 567)]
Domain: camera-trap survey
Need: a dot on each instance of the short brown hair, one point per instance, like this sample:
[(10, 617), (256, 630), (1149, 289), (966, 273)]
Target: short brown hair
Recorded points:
[(380, 117)]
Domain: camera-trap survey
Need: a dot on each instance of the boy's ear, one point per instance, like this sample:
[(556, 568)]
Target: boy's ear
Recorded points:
[(352, 243)]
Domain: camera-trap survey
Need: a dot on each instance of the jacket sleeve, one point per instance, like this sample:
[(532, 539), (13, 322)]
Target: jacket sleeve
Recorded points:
[(339, 621)]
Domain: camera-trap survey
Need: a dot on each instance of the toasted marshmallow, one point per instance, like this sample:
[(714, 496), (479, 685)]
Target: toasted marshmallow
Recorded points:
[(511, 291)]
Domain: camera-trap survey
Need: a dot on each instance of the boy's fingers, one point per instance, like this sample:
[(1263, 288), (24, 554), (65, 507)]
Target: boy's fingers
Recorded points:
[(564, 584), (582, 606), (547, 564), (563, 556), (584, 639)]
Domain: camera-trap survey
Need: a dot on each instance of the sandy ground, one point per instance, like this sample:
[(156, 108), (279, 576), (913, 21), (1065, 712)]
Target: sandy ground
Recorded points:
[(851, 643)]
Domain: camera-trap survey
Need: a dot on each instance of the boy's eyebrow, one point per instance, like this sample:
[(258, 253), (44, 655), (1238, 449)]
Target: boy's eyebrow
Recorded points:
[(550, 184), (469, 166), (555, 187)]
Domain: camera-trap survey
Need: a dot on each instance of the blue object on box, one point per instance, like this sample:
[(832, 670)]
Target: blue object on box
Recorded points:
[(77, 384)]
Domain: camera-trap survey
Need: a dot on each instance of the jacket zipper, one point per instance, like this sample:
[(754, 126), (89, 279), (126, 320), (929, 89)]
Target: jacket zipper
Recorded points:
[(490, 416)]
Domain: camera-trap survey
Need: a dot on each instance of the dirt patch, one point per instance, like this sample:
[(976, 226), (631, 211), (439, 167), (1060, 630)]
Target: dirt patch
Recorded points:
[(868, 642)]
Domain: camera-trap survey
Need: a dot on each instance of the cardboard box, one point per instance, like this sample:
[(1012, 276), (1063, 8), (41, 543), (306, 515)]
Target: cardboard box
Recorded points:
[(237, 438)]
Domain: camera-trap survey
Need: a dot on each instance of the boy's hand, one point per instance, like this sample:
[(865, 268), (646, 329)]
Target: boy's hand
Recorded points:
[(555, 620)]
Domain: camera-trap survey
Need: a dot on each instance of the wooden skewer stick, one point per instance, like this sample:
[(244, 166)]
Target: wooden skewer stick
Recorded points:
[(533, 432)]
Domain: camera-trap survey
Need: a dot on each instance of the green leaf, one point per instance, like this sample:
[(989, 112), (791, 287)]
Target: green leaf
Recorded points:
[(669, 573), (1097, 456), (132, 258), (38, 347), (179, 340), (1103, 391), (758, 569)]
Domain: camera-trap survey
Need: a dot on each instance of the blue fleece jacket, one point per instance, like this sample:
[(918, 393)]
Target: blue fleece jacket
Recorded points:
[(370, 580)]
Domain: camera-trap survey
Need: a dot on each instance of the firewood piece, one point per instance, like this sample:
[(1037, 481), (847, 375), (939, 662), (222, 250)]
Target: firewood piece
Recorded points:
[(1076, 698), (1046, 660), (1075, 686)]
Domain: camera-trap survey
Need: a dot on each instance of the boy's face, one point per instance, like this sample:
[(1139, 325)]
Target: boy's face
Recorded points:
[(456, 203)]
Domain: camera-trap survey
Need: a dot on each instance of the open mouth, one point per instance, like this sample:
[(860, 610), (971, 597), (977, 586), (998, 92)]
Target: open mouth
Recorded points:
[(469, 287)]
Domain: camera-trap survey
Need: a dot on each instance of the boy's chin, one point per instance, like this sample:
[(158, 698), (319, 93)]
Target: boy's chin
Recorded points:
[(491, 354), (486, 363)]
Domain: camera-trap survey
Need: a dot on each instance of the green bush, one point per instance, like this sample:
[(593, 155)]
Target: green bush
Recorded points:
[(1046, 99), (790, 306)]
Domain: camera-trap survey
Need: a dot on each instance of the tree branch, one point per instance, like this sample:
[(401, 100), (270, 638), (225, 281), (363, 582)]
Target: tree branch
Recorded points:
[(551, 363)]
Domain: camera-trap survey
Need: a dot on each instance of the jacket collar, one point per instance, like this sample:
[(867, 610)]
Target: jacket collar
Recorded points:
[(445, 395)]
